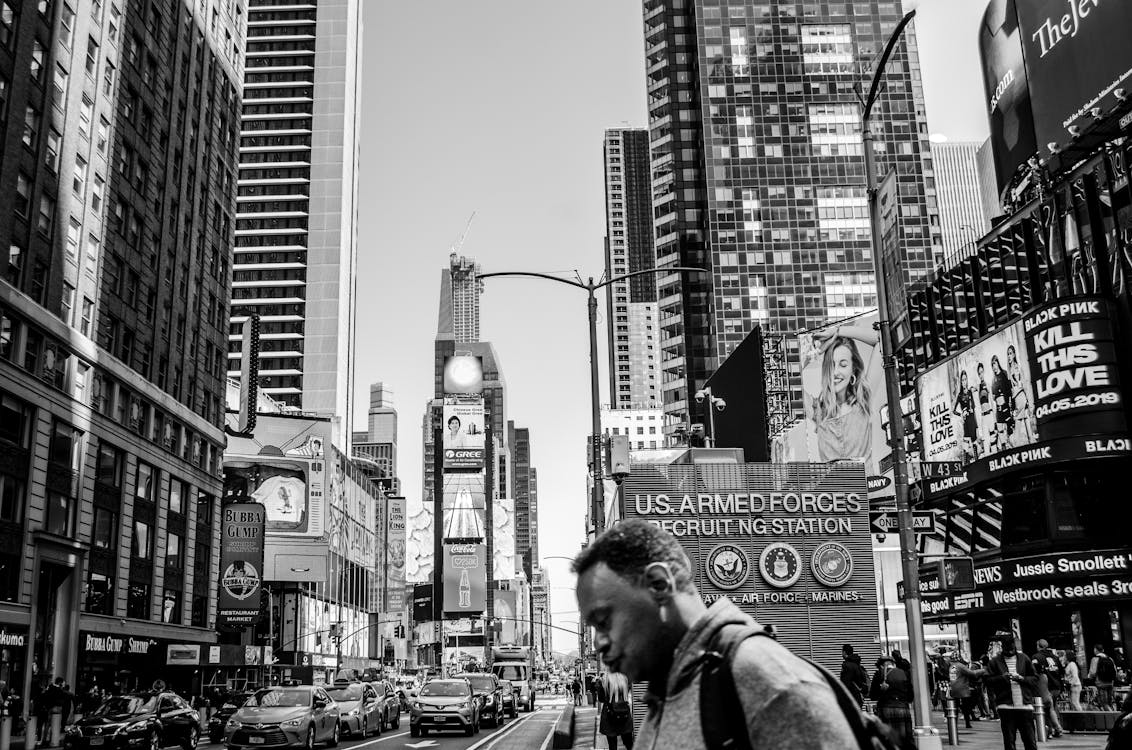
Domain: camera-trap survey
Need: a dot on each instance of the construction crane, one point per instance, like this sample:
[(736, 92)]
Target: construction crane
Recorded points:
[(460, 241)]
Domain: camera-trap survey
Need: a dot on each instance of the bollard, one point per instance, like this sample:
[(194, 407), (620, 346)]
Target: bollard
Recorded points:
[(31, 729), (5, 731), (1040, 719), (951, 712), (55, 739)]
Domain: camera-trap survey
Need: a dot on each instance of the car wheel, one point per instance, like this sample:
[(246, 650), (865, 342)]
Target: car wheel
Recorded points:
[(414, 731), (154, 741), (397, 721), (309, 745), (191, 740), (470, 729), (333, 741), (380, 726)]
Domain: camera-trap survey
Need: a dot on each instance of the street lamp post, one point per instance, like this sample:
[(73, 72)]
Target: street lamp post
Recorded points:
[(926, 735), (597, 501)]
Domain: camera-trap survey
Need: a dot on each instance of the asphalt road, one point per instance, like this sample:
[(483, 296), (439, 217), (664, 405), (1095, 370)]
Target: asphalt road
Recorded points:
[(528, 731)]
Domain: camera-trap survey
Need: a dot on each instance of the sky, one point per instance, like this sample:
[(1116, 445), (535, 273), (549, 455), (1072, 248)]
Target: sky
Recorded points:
[(498, 107)]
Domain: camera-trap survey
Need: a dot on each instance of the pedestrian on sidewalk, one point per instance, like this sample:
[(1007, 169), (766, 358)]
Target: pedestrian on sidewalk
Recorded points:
[(963, 680), (1102, 671), (1073, 680), (576, 689), (635, 588), (853, 675), (1014, 682), (892, 690), (616, 717), (1050, 677)]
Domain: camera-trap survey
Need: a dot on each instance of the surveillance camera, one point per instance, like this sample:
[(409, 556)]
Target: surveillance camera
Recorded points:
[(881, 538), (700, 396), (720, 404)]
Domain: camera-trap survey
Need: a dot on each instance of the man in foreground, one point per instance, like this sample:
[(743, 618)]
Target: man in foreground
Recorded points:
[(635, 588)]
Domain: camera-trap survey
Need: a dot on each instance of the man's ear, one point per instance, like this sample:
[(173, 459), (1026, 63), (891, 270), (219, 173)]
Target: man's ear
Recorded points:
[(659, 582)]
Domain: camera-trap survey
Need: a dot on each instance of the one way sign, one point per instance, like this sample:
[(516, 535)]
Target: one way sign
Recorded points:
[(884, 522)]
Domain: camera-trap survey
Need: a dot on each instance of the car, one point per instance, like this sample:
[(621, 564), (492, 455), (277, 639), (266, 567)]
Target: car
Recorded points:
[(285, 716), (487, 689), (445, 704), (358, 709), (228, 706), (141, 721), (389, 702), (510, 701)]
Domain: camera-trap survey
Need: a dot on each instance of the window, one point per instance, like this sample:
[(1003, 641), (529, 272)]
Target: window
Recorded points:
[(7, 23), (141, 545), (146, 482), (96, 194), (171, 606), (137, 601), (104, 533), (31, 127), (60, 514), (86, 112), (67, 304), (67, 19), (23, 194), (108, 78), (174, 551), (88, 316), (59, 88), (74, 235), (78, 177), (103, 134), (204, 509), (36, 61), (108, 469), (64, 446), (91, 55), (98, 598), (15, 268), (200, 609), (176, 496), (45, 223), (93, 250), (11, 498)]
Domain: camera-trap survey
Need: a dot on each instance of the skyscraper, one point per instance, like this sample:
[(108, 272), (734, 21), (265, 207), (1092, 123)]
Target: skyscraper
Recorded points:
[(988, 187), (524, 481), (377, 447), (962, 219), (119, 173), (296, 233), (758, 171), (461, 287), (632, 314)]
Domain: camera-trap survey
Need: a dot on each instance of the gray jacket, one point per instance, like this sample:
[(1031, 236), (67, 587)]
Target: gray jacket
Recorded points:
[(787, 703)]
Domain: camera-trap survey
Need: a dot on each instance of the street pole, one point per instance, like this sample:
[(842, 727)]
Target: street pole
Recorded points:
[(926, 735), (597, 504), (597, 499)]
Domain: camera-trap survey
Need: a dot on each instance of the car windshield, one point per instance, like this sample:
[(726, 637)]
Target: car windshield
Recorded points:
[(505, 685), (346, 693), (281, 698), (482, 682), (127, 704), (504, 672), (444, 689)]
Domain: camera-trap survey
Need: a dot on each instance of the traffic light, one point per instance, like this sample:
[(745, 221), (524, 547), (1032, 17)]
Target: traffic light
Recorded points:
[(956, 574)]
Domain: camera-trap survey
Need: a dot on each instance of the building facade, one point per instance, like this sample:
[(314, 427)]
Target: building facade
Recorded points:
[(376, 448), (524, 483), (113, 315), (958, 181), (462, 283), (632, 314), (296, 233), (645, 427), (758, 172)]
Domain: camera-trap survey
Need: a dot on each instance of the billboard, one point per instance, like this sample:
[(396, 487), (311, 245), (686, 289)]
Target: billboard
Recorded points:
[(740, 382), (1077, 57), (463, 433), (422, 602), (844, 401), (465, 579), (395, 556), (464, 506), (463, 374), (1007, 91), (290, 488), (503, 538), (789, 544), (1043, 389), (241, 565)]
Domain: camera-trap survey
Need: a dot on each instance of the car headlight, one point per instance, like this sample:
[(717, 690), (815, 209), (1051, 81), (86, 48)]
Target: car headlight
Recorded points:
[(234, 724), (71, 729), (418, 706), (293, 723), (136, 726)]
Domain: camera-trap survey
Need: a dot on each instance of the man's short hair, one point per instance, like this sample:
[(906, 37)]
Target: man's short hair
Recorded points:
[(1042, 644), (629, 547), (847, 648)]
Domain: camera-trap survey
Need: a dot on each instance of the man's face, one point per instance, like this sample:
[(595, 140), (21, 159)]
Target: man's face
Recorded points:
[(629, 635), (1008, 648)]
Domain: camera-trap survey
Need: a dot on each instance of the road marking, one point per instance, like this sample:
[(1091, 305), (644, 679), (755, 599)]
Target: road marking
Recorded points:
[(500, 735), (379, 739), (424, 743)]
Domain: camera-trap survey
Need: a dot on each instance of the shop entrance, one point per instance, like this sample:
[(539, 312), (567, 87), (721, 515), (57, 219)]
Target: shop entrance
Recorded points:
[(55, 604)]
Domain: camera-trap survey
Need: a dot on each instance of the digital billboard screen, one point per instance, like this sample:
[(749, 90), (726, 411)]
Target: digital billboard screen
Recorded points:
[(463, 374), (465, 579), (1041, 390), (1006, 90), (463, 433), (464, 506)]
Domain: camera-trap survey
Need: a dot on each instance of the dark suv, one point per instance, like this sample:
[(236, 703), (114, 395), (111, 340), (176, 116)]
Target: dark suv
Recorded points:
[(228, 706), (148, 721), (490, 693)]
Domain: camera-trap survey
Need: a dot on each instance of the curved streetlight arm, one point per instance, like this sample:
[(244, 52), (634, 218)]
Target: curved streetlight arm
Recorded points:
[(534, 275), (672, 269), (879, 72)]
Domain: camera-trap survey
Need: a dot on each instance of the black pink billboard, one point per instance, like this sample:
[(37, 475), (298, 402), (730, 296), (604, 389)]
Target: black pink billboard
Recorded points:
[(1044, 389)]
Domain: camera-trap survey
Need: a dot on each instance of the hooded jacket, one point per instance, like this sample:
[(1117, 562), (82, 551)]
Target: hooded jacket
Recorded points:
[(853, 677), (786, 702)]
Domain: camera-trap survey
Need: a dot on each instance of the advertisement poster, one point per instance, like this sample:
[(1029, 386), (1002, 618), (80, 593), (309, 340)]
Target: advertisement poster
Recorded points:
[(463, 374), (980, 402), (503, 538), (463, 434), (464, 506), (465, 578), (395, 556), (844, 401), (241, 565), (285, 488), (1006, 90), (1077, 57)]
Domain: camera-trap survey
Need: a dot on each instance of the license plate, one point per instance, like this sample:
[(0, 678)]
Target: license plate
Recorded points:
[(441, 718), (255, 740), (97, 740)]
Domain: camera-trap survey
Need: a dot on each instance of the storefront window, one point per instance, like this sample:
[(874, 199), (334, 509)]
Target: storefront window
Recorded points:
[(205, 502), (98, 597), (105, 531), (137, 601), (171, 606), (141, 547)]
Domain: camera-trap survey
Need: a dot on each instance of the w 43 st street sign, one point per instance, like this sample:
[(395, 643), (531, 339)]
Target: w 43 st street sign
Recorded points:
[(885, 522)]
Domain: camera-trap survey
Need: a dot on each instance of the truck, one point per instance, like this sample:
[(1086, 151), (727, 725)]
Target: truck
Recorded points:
[(516, 664)]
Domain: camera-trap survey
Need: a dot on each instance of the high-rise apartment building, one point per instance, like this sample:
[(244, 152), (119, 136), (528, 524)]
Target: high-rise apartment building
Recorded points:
[(119, 170), (988, 185), (461, 286), (958, 181), (524, 483), (632, 314), (376, 448), (296, 233), (758, 171)]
